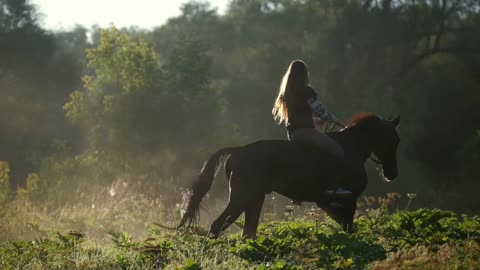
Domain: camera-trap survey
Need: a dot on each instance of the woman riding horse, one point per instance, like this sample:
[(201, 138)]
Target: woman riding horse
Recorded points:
[(295, 105), (298, 171)]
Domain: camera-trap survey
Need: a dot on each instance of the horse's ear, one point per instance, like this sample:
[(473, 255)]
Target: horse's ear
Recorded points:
[(396, 121)]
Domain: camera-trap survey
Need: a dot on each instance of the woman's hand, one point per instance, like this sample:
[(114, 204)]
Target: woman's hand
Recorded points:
[(318, 122)]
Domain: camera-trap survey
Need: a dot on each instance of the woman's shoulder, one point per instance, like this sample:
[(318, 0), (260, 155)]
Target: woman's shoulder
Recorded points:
[(308, 92)]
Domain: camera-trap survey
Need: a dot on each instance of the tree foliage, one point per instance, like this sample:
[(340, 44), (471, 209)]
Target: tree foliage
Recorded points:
[(134, 104), (204, 80)]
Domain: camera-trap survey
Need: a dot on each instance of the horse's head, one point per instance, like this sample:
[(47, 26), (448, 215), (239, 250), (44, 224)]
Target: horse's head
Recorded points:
[(385, 147), (382, 138)]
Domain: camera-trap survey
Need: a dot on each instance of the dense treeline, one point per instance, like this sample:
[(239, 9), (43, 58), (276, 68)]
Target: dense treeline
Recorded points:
[(78, 110)]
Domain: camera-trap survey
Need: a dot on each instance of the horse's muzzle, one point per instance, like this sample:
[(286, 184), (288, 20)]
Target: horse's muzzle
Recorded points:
[(390, 174)]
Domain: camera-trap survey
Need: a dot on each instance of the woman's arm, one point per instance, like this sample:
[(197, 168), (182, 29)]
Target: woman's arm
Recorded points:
[(319, 111)]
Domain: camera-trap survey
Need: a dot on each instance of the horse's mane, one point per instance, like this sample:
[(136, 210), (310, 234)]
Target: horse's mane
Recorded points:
[(362, 117)]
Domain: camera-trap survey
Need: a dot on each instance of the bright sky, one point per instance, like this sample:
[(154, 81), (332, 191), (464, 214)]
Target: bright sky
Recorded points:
[(143, 13)]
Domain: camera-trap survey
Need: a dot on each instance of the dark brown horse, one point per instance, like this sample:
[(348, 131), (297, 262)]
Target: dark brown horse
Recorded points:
[(299, 172)]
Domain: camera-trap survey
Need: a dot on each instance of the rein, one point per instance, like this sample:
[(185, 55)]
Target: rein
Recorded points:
[(374, 160), (332, 126)]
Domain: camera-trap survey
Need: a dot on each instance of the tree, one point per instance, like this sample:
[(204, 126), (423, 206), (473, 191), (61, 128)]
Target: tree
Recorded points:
[(132, 105), (32, 93)]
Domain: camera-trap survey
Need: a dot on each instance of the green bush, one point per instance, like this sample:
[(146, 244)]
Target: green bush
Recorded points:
[(403, 239)]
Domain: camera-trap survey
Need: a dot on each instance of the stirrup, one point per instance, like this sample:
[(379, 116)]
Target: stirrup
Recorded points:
[(337, 192), (335, 204)]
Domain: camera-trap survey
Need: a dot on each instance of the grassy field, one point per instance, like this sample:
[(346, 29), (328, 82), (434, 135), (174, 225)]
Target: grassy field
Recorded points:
[(110, 237)]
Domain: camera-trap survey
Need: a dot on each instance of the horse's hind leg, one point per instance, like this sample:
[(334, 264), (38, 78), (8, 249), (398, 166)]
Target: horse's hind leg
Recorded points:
[(235, 207), (229, 215), (252, 216)]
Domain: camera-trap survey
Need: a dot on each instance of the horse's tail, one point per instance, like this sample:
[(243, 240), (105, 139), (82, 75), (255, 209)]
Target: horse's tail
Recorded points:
[(201, 185)]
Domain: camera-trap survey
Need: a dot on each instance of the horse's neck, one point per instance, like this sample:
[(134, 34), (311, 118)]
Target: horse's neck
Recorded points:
[(354, 146)]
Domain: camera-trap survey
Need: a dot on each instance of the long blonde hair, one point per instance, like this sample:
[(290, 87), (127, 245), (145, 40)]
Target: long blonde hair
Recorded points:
[(295, 77)]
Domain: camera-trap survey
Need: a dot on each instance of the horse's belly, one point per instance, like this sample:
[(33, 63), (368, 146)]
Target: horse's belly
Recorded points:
[(312, 188), (302, 193)]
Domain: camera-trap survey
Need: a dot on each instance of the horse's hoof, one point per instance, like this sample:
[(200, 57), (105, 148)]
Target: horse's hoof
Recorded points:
[(211, 235), (295, 202)]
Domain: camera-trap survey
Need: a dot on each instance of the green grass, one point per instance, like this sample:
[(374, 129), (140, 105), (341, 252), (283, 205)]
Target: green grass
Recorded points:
[(420, 239)]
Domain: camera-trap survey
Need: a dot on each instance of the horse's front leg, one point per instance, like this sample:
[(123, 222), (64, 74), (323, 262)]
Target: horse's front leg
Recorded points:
[(341, 210), (349, 206)]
